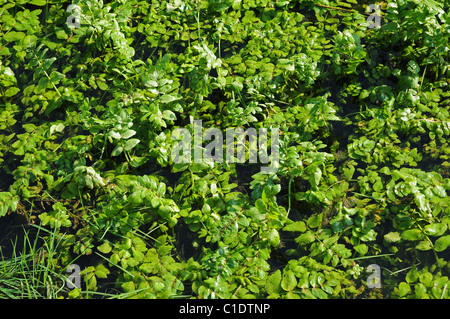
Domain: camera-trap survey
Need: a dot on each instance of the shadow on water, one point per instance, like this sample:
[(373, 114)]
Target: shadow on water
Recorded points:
[(15, 235)]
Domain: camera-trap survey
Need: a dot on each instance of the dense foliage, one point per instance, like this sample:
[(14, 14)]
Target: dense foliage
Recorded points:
[(86, 119)]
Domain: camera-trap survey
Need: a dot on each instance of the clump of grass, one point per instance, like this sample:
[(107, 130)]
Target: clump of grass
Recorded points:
[(30, 272)]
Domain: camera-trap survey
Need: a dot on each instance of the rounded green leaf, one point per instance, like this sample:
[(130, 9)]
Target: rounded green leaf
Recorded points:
[(436, 229), (105, 248), (169, 115), (403, 289), (319, 293), (291, 295), (392, 237), (427, 279), (11, 91), (412, 275), (169, 98), (128, 134), (117, 150), (289, 281), (314, 221), (305, 238), (131, 143), (362, 249), (412, 234), (13, 36), (101, 271), (38, 2), (273, 282), (423, 245), (442, 243), (274, 237), (128, 286), (296, 226), (420, 290)]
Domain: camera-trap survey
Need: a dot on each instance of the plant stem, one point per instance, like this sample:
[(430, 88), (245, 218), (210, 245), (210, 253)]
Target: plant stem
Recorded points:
[(289, 197), (48, 77)]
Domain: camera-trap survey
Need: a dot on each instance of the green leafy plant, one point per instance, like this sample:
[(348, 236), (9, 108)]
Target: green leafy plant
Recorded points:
[(88, 120)]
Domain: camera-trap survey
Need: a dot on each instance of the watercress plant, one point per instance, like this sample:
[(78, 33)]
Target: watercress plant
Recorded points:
[(88, 112)]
